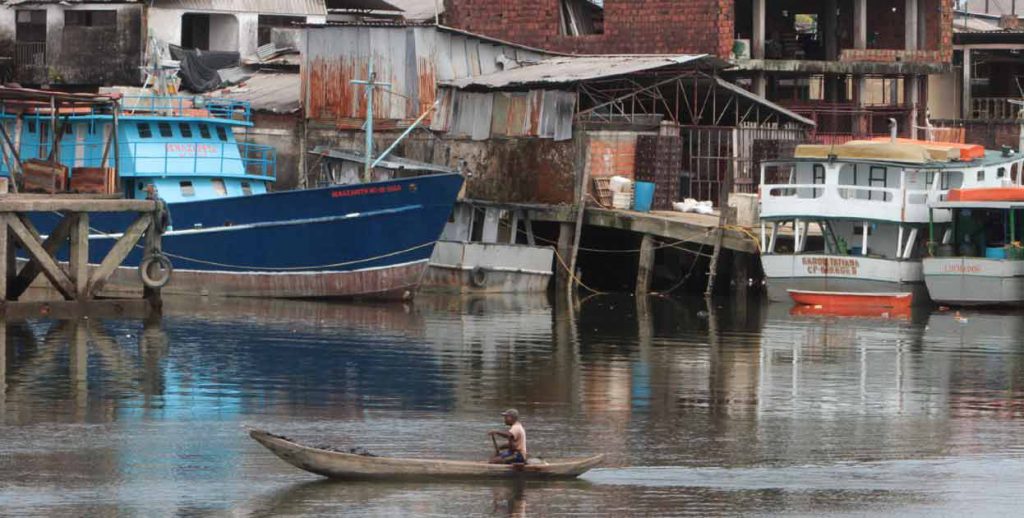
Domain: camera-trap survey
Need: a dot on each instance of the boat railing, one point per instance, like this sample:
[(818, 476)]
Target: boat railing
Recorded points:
[(167, 158), (202, 158), (183, 106), (840, 201)]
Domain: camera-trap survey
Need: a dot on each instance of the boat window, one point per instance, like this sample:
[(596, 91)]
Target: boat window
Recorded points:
[(246, 188), (44, 131), (187, 189), (221, 134), (219, 188), (185, 129), (144, 130), (981, 175), (1001, 173), (204, 131), (1013, 173), (165, 129), (67, 129), (31, 126), (818, 175), (876, 178), (952, 180)]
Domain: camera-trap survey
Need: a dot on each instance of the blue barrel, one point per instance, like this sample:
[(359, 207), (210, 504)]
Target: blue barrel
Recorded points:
[(995, 252), (643, 196)]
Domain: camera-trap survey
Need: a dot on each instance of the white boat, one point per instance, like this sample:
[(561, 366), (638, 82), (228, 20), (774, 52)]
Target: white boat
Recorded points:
[(978, 260), (855, 218)]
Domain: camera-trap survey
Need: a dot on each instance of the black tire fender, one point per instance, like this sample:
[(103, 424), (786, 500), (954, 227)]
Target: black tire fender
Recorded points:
[(164, 271), (478, 277)]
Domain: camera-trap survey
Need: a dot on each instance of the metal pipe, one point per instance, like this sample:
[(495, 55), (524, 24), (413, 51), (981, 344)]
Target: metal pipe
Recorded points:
[(405, 133)]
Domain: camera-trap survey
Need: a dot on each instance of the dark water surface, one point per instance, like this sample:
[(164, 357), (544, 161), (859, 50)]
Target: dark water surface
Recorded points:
[(746, 410)]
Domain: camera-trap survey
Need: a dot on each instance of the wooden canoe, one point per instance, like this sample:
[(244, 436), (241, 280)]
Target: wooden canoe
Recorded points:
[(338, 465), (838, 299)]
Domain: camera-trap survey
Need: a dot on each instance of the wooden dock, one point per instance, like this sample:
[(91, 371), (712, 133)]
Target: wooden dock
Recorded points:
[(652, 227), (73, 279)]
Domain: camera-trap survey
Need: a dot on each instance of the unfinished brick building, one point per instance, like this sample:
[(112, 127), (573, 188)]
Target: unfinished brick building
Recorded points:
[(850, 65)]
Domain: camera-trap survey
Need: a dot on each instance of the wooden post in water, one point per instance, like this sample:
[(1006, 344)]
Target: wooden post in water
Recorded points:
[(645, 266), (563, 277)]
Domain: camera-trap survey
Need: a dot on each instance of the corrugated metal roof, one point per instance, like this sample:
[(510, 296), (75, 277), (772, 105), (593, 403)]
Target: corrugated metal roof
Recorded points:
[(418, 10), (294, 7), (570, 69), (361, 5), (722, 83), (274, 92)]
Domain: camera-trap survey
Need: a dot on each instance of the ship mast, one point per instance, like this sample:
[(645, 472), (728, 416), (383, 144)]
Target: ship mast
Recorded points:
[(370, 83)]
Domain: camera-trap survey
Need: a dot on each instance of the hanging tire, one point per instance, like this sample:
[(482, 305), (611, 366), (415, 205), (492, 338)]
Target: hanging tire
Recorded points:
[(155, 271), (478, 277)]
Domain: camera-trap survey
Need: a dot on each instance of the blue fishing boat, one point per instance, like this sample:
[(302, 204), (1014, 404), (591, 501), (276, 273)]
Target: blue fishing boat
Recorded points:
[(229, 234)]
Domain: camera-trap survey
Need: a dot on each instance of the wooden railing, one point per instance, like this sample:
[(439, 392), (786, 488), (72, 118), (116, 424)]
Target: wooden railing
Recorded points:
[(995, 108)]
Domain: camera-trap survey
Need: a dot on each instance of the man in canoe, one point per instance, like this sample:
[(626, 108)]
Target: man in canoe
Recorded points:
[(515, 451)]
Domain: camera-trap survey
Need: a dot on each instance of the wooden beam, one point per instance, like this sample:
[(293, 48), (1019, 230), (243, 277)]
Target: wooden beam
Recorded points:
[(5, 274), (120, 250), (26, 203), (645, 265), (79, 253), (29, 238), (30, 271)]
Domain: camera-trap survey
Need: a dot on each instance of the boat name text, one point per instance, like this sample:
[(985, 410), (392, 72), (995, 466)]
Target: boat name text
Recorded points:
[(366, 190), (830, 265)]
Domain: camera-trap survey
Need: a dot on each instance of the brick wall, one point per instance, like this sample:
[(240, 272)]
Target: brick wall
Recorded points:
[(691, 26), (630, 26)]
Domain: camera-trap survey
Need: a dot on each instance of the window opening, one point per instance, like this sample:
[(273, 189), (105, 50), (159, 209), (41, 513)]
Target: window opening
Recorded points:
[(187, 189), (876, 178), (818, 174), (981, 175), (144, 130), (204, 131), (165, 129), (185, 129), (219, 188), (221, 134), (30, 26), (246, 188), (581, 17), (90, 18)]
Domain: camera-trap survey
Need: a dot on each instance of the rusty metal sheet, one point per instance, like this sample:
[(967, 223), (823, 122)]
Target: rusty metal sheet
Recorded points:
[(565, 110), (517, 114), (482, 116), (534, 105), (499, 114), (488, 58)]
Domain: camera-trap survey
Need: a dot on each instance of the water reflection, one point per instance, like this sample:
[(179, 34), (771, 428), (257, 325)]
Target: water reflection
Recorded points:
[(732, 407)]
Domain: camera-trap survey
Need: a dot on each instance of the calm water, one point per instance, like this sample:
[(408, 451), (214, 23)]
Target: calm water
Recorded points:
[(746, 410)]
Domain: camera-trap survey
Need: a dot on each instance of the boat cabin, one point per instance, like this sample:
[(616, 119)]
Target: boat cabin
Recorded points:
[(184, 146), (870, 202)]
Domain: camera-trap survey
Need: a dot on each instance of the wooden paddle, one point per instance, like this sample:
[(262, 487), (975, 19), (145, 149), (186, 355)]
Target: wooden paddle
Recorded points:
[(496, 450)]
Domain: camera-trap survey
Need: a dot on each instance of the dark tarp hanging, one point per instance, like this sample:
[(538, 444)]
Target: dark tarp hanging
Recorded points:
[(199, 67)]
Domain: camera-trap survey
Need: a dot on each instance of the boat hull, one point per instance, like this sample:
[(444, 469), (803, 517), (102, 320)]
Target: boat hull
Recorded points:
[(974, 281), (365, 241), (339, 465), (852, 274), (852, 300), (470, 267)]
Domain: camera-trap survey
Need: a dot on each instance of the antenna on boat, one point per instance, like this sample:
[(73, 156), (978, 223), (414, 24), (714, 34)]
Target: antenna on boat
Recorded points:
[(370, 83)]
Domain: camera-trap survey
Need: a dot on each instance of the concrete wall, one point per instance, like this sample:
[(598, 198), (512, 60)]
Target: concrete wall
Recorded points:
[(521, 170), (944, 97), (82, 55), (165, 25)]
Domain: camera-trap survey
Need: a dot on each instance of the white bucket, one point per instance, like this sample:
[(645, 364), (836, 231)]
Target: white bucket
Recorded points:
[(622, 200)]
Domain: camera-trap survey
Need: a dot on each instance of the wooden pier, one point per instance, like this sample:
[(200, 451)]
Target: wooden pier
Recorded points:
[(73, 279)]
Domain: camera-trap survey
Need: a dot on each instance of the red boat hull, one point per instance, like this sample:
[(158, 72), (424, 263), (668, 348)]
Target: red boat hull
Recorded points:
[(854, 301)]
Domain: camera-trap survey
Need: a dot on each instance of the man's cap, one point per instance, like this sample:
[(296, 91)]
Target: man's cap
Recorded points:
[(512, 412)]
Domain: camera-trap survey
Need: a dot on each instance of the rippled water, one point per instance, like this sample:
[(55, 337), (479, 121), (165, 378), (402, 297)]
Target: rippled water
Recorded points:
[(745, 409)]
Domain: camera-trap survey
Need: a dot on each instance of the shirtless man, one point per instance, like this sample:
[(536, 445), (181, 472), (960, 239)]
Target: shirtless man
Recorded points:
[(515, 451)]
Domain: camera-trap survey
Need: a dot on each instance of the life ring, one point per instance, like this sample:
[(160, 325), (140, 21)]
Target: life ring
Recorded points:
[(478, 277), (163, 271)]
